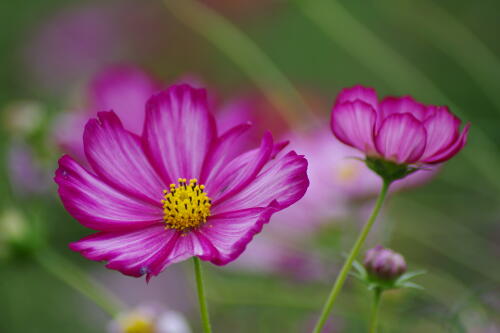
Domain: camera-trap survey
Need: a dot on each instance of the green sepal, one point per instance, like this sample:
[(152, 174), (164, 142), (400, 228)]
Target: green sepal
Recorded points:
[(373, 282), (388, 170)]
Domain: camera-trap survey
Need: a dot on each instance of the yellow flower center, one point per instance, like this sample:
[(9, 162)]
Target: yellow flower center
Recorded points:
[(138, 324), (186, 206)]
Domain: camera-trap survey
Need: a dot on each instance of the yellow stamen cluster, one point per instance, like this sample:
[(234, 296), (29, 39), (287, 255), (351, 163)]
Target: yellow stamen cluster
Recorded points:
[(138, 324), (185, 206)]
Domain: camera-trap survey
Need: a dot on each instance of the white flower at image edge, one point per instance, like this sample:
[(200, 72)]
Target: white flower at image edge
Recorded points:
[(149, 319)]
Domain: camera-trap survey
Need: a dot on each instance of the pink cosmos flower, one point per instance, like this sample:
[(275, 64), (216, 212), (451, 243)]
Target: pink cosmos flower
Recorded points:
[(177, 191), (396, 129)]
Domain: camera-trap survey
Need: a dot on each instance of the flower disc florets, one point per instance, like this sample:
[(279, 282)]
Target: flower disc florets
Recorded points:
[(186, 206)]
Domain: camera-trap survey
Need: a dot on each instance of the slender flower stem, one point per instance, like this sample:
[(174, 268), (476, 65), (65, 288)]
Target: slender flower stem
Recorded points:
[(80, 281), (201, 296), (339, 282), (377, 294)]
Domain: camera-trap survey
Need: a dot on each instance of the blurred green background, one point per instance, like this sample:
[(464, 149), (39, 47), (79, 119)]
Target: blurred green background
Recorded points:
[(441, 52)]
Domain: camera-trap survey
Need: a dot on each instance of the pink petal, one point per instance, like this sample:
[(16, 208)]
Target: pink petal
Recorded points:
[(124, 90), (353, 123), (283, 181), (442, 130), (358, 93), (239, 172), (405, 104), (229, 233), (178, 132), (133, 253), (117, 157), (185, 246), (451, 150), (401, 138), (99, 206), (278, 147), (223, 151)]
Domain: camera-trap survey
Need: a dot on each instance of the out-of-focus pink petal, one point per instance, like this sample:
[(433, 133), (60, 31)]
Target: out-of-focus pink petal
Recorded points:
[(133, 253), (353, 123), (283, 181), (239, 172), (358, 93), (116, 155), (99, 206), (223, 151), (178, 132), (405, 104), (230, 232), (451, 150), (235, 112), (68, 132), (401, 138), (124, 90), (442, 130)]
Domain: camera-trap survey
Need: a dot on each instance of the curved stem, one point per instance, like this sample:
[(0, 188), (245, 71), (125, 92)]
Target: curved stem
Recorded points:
[(377, 293), (339, 282), (80, 281), (201, 296)]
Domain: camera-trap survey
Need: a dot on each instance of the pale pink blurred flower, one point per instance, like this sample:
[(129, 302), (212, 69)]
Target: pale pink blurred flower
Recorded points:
[(26, 174), (121, 88), (337, 179), (269, 254), (81, 39), (149, 318)]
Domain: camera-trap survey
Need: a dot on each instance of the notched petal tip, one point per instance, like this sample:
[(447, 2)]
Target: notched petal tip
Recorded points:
[(401, 105), (358, 92)]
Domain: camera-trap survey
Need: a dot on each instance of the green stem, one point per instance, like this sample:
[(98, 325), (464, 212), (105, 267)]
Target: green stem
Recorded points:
[(337, 286), (80, 281), (201, 296), (377, 294)]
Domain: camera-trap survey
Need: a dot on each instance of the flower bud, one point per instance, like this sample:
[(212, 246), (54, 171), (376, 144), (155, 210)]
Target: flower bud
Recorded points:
[(384, 264)]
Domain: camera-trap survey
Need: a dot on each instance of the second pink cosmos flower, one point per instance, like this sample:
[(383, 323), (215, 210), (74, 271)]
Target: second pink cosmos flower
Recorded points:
[(399, 130), (179, 190)]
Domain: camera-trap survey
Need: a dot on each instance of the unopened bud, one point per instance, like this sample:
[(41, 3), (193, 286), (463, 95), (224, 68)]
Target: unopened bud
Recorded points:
[(384, 263)]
